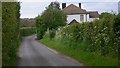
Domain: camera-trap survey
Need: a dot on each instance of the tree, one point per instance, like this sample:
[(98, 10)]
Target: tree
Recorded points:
[(51, 18), (41, 28), (55, 5), (105, 14)]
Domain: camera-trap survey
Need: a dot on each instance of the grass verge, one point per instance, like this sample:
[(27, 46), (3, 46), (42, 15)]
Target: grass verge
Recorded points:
[(87, 58)]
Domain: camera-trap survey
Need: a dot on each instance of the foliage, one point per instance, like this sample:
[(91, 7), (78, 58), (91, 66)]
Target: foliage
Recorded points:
[(55, 5), (89, 40), (51, 18), (0, 34), (105, 14), (117, 26), (98, 34), (52, 33), (86, 58), (40, 27), (27, 31), (10, 32)]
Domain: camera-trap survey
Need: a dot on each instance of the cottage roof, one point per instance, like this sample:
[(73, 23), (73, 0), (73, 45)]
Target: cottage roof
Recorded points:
[(72, 9), (94, 14)]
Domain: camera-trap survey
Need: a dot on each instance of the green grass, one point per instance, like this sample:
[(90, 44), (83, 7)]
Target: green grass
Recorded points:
[(87, 58)]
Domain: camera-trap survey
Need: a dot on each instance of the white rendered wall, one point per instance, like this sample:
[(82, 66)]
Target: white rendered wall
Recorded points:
[(71, 17), (77, 18), (88, 16), (84, 18)]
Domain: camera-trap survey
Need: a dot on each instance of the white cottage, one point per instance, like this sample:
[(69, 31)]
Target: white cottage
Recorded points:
[(79, 15)]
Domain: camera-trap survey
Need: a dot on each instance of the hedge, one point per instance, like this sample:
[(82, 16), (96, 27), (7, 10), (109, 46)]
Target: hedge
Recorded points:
[(100, 35), (10, 32), (27, 31), (0, 34)]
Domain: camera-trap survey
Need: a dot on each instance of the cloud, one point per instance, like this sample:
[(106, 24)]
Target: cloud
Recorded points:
[(101, 6), (32, 9)]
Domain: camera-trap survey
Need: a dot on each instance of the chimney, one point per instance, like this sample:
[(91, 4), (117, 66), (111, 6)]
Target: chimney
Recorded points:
[(79, 5), (63, 5)]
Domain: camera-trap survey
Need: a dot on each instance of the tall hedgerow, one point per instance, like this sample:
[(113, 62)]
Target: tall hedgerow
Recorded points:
[(116, 28), (101, 35), (10, 32), (0, 34)]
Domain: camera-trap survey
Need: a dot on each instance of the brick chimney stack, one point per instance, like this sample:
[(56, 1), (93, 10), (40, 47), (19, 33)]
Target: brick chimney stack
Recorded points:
[(80, 5), (63, 5)]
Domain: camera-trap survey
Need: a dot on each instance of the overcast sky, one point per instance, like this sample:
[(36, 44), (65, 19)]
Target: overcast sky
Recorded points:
[(31, 8)]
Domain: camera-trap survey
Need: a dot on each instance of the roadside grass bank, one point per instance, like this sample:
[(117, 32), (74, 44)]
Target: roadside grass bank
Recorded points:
[(85, 57)]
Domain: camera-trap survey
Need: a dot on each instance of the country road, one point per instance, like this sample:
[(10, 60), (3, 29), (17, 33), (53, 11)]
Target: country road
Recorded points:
[(33, 53)]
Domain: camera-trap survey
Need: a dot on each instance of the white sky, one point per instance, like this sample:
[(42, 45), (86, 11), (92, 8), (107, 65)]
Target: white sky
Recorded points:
[(31, 8)]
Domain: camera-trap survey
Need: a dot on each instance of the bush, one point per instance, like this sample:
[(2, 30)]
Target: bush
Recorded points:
[(52, 33), (98, 34)]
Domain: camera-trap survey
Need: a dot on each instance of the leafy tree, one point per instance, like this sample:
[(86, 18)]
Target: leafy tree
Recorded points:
[(51, 18), (55, 5), (41, 28)]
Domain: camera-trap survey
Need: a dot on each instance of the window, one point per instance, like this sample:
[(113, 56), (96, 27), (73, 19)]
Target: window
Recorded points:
[(81, 18)]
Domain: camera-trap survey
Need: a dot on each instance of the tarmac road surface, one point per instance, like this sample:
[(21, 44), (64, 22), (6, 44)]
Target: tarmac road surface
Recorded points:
[(33, 53)]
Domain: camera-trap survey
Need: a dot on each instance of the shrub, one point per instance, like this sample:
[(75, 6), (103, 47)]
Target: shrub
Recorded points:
[(98, 34), (52, 33)]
